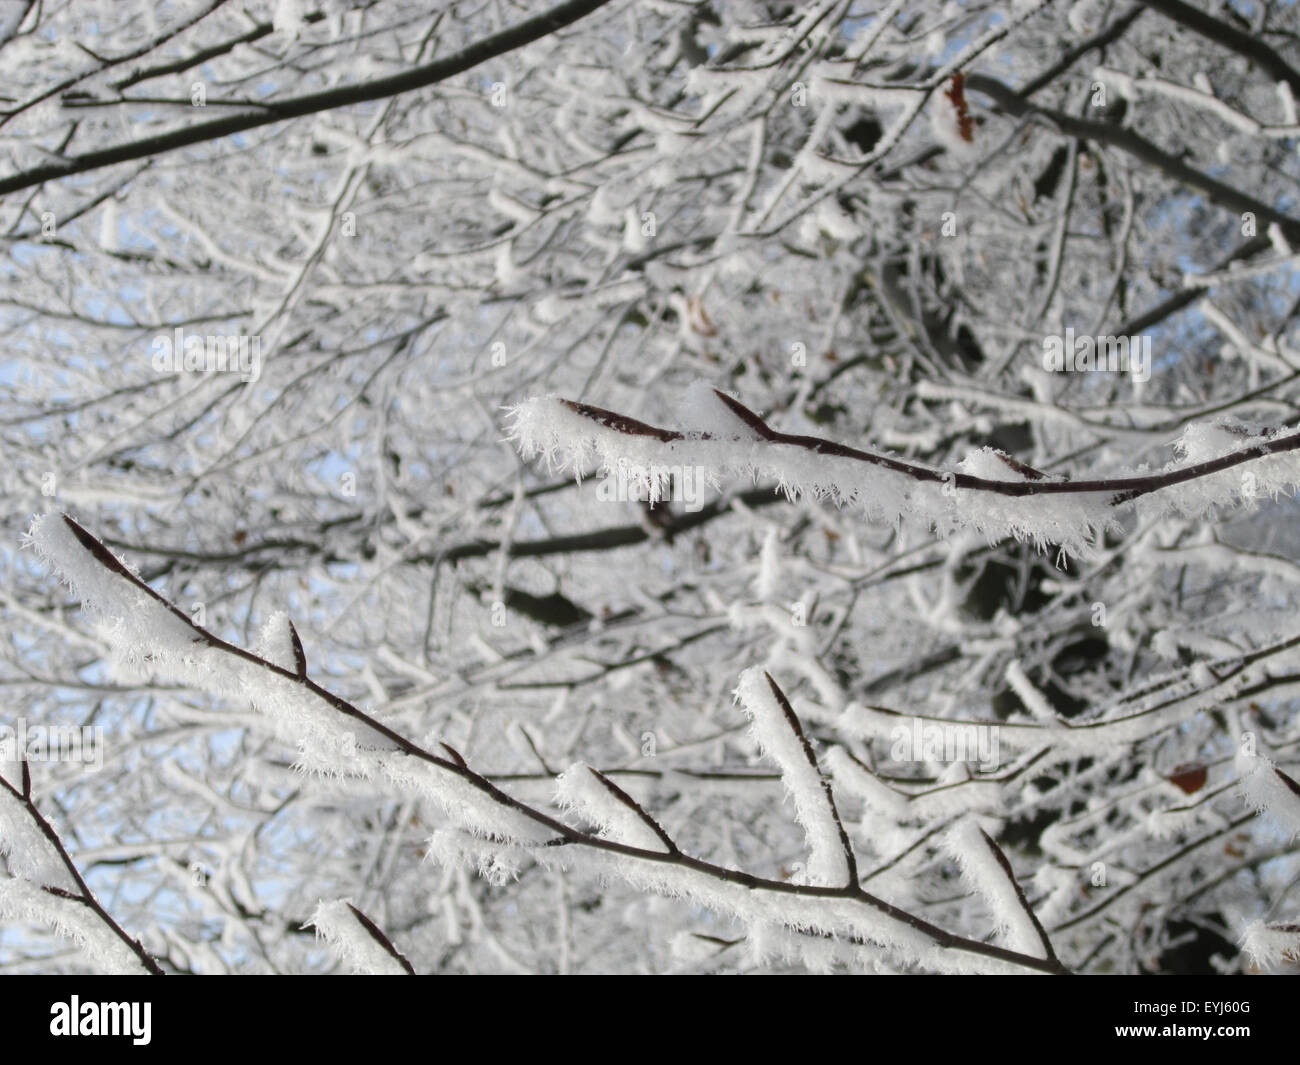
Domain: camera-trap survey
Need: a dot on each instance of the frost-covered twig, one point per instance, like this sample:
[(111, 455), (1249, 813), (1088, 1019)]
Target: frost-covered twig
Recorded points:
[(1024, 503), (989, 872), (1266, 789), (44, 901), (777, 729), (357, 940), (1272, 944), (1152, 874), (593, 794), (1154, 707)]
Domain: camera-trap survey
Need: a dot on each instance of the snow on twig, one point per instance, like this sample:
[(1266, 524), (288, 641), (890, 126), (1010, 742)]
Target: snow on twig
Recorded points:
[(989, 492), (782, 739), (357, 941), (988, 872), (590, 793), (1266, 789)]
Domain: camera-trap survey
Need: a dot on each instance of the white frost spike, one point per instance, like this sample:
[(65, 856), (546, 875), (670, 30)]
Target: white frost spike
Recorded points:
[(1266, 789), (345, 929), (136, 623), (633, 236), (289, 17), (616, 814), (984, 869), (280, 645), (1271, 945), (777, 731), (1288, 103), (506, 272)]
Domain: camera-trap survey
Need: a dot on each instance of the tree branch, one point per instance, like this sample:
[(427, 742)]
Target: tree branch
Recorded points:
[(498, 44), (564, 834)]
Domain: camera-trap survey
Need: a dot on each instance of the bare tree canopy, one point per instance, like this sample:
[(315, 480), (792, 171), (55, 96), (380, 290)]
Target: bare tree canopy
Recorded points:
[(666, 487)]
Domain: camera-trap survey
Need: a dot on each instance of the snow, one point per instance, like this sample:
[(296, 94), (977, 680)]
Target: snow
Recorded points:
[(1268, 790), (735, 195), (350, 942), (855, 779), (754, 907), (978, 857), (781, 741), (27, 850), (141, 628), (21, 900), (1035, 701), (278, 642), (768, 578), (567, 439), (1270, 945), (579, 789)]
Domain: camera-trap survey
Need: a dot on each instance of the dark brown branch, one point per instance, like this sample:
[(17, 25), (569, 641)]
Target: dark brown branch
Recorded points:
[(1153, 871), (1013, 103), (378, 936), (1290, 783), (108, 63), (498, 44), (83, 894), (1020, 895), (1222, 670), (203, 55), (610, 538), (1106, 35), (1123, 489), (631, 803), (792, 720), (299, 656), (1226, 34), (1191, 293)]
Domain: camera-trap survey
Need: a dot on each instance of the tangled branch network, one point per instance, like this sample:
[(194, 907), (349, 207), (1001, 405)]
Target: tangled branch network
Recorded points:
[(828, 904)]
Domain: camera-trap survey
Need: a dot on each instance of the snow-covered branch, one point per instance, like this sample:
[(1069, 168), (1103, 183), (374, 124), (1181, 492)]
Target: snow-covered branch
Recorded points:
[(990, 492), (357, 941), (778, 732), (335, 737), (48, 889)]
